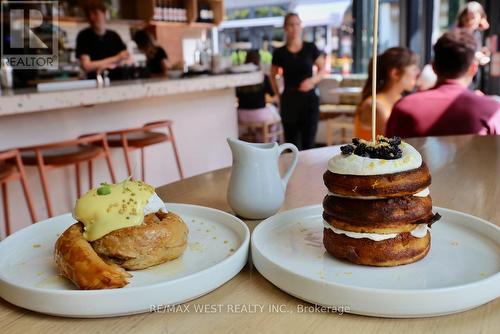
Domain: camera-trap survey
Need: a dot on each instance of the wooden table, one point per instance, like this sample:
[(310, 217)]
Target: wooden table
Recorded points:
[(465, 171), (329, 111)]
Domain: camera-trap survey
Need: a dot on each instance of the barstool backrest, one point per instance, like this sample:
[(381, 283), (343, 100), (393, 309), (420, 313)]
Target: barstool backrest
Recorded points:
[(10, 154), (83, 140), (145, 127)]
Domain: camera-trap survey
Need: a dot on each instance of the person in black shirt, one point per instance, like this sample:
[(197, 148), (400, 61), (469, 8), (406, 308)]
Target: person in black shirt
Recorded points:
[(299, 103), (99, 48), (252, 107), (156, 57)]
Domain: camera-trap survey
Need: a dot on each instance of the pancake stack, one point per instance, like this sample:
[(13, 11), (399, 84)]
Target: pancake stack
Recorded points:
[(378, 210)]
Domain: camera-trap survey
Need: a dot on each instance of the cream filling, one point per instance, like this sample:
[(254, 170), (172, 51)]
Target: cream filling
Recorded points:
[(419, 232), (423, 193), (355, 165)]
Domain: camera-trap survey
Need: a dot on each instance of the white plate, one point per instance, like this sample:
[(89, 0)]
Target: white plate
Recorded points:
[(461, 271), (217, 250)]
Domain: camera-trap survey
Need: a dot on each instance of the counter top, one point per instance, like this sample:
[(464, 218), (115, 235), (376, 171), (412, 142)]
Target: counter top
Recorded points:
[(29, 100)]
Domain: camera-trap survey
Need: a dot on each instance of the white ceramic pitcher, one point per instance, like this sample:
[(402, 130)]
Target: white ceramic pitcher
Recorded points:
[(256, 188)]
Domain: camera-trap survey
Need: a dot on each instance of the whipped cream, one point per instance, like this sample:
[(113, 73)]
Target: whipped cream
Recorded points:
[(155, 204), (419, 232), (356, 165), (423, 193)]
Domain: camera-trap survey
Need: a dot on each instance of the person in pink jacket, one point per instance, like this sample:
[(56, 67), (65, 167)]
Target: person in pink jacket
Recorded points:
[(449, 108)]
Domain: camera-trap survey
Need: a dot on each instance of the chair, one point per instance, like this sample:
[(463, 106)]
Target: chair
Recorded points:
[(11, 168), (139, 138), (341, 127), (266, 132), (67, 153)]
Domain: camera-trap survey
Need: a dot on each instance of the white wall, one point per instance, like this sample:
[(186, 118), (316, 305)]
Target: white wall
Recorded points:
[(202, 121)]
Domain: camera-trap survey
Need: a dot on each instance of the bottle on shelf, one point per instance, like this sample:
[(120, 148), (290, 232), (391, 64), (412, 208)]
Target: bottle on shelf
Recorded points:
[(169, 11), (164, 10), (205, 14), (157, 13)]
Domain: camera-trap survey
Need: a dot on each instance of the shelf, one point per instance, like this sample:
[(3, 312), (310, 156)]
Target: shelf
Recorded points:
[(137, 12), (200, 25), (70, 19), (74, 19)]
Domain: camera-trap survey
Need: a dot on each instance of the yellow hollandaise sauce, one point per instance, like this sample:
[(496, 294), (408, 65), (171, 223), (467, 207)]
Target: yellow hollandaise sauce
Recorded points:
[(111, 207)]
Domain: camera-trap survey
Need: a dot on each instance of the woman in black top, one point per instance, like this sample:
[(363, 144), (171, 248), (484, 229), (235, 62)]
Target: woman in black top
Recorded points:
[(299, 102), (254, 96), (156, 57), (252, 107)]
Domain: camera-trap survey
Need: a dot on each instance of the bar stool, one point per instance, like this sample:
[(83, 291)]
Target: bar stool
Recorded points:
[(342, 126), (13, 170), (139, 138), (266, 132), (67, 153)]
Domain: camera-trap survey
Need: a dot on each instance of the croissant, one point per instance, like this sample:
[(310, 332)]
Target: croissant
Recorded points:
[(78, 262)]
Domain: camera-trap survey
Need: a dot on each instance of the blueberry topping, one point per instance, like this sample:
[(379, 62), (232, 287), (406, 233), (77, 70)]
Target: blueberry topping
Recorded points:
[(347, 149), (385, 148)]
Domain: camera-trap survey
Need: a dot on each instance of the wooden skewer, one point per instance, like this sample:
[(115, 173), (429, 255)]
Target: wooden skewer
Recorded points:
[(374, 72)]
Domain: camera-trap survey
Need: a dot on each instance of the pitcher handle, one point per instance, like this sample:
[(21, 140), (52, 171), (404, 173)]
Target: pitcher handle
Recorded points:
[(295, 159)]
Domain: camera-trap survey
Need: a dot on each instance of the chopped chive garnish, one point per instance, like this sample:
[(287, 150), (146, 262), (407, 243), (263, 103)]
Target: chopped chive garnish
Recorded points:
[(104, 190)]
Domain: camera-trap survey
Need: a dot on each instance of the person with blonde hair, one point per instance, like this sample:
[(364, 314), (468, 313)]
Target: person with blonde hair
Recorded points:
[(472, 18)]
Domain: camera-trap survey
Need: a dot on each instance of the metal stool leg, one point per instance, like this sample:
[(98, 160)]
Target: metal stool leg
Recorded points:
[(329, 132), (125, 153), (143, 167), (174, 146), (43, 179), (265, 134), (5, 201), (27, 193), (78, 181), (89, 167), (108, 160)]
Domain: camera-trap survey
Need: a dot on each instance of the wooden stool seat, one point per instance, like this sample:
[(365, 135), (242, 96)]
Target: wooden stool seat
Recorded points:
[(64, 155), (343, 126), (266, 132), (138, 139), (6, 170), (71, 152)]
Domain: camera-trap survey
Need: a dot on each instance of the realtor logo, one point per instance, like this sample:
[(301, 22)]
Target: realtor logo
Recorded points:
[(29, 34)]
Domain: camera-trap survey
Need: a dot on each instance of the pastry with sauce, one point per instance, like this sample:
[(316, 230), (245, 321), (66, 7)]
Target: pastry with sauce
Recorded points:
[(123, 226), (378, 210)]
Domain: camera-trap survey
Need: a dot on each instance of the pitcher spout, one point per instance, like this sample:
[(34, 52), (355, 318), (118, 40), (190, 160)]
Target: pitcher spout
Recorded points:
[(237, 144)]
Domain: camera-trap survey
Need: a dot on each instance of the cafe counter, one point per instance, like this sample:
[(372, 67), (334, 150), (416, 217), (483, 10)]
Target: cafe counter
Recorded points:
[(14, 102), (203, 111)]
